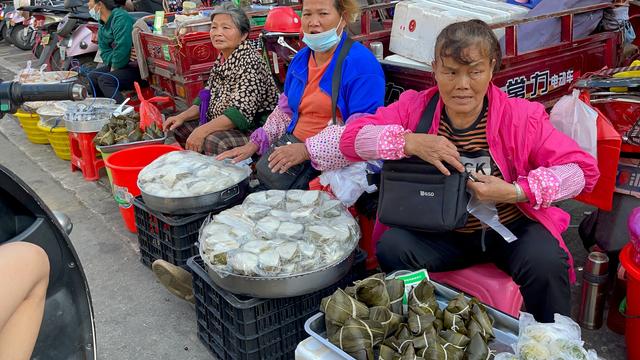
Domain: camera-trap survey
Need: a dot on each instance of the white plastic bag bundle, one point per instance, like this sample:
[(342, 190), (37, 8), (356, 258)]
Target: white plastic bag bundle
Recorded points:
[(558, 340), (348, 183), (577, 120)]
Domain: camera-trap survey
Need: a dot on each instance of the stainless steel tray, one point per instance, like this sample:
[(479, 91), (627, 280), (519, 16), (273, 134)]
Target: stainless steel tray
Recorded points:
[(85, 126), (505, 326), (281, 287), (197, 204), (117, 147)]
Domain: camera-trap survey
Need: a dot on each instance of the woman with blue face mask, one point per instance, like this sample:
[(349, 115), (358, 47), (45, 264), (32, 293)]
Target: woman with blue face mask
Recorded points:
[(300, 138), (114, 43)]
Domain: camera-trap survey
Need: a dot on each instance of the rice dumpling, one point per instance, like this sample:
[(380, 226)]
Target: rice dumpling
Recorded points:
[(456, 314), (455, 338), (358, 337), (477, 349), (423, 296), (373, 291), (339, 307), (389, 320), (395, 289), (387, 353), (409, 353), (480, 317), (419, 320)]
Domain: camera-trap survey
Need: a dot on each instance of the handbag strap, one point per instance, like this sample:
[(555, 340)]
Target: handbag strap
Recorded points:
[(336, 77), (427, 115)]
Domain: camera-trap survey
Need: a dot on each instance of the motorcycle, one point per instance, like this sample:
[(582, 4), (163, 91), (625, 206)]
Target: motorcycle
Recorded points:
[(74, 39), (5, 8), (68, 327), (40, 16)]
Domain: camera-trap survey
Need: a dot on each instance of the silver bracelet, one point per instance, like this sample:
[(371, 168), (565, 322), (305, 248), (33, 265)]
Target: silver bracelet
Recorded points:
[(519, 192)]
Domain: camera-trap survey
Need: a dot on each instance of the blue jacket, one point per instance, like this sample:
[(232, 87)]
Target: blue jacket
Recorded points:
[(361, 90)]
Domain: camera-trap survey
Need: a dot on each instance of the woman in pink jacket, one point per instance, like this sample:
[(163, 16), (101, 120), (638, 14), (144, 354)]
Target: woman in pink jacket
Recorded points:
[(522, 163)]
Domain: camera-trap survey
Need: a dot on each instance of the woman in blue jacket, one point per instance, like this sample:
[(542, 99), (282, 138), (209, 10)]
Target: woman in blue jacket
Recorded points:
[(302, 123)]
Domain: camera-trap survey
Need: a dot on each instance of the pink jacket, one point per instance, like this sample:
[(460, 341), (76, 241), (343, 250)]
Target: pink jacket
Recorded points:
[(521, 139)]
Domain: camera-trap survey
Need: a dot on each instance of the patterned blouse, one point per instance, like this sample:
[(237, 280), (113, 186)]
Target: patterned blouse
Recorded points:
[(241, 87)]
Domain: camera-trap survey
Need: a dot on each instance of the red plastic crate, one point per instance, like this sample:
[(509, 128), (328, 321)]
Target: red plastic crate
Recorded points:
[(183, 55), (187, 88)]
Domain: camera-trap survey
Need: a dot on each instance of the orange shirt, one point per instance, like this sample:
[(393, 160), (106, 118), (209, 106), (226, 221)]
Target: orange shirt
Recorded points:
[(315, 105)]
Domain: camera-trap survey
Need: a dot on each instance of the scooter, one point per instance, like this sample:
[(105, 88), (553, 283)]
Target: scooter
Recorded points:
[(68, 327), (74, 38), (5, 8), (38, 16)]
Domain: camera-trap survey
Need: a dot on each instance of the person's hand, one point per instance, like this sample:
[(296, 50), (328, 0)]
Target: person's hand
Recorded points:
[(172, 122), (433, 149), (284, 157), (492, 189), (240, 153), (195, 141)]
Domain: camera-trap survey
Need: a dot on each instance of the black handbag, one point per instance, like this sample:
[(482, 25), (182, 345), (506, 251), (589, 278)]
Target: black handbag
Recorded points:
[(298, 176), (416, 195)]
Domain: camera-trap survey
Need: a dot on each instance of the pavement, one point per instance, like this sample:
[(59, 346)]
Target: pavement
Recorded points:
[(136, 318)]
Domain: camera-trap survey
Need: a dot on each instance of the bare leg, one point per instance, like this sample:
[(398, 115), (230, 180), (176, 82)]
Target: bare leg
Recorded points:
[(24, 276)]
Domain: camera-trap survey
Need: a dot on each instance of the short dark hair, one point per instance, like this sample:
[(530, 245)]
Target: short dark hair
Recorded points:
[(456, 37), (238, 16)]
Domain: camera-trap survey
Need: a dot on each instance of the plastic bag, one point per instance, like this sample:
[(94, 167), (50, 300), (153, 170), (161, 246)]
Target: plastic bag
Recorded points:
[(265, 236), (149, 113), (558, 340), (577, 120), (488, 215), (348, 183)]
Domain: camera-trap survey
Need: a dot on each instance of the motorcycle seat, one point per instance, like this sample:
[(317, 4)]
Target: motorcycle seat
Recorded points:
[(81, 16)]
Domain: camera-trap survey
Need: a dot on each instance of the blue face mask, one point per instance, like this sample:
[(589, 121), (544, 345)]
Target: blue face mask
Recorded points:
[(94, 14), (322, 41)]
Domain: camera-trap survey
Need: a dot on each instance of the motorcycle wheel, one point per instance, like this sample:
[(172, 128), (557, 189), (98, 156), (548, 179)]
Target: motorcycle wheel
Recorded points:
[(6, 34), (21, 38)]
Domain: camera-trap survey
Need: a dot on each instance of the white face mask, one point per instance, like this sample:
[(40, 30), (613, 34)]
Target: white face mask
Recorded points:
[(323, 41)]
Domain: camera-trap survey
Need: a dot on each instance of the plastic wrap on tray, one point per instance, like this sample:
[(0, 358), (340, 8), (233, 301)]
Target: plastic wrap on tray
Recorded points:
[(186, 173), (279, 233)]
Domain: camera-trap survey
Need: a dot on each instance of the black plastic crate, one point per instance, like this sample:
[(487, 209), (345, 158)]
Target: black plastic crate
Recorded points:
[(152, 250), (238, 327), (176, 231)]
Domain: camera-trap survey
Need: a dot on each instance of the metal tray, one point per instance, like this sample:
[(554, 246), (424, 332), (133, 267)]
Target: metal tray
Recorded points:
[(117, 147), (281, 287), (505, 326), (197, 204), (85, 126)]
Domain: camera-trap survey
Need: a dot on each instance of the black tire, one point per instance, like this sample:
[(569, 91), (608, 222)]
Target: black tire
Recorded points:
[(66, 26), (6, 34), (21, 38)]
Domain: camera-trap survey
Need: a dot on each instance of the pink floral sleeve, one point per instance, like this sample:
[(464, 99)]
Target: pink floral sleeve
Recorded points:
[(544, 186), (386, 142), (272, 130), (324, 147)]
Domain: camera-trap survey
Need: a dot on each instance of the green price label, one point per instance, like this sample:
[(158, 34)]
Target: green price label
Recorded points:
[(166, 53), (411, 280)]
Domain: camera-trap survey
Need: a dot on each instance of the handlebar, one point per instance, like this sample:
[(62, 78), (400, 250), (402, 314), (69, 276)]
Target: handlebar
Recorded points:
[(14, 94)]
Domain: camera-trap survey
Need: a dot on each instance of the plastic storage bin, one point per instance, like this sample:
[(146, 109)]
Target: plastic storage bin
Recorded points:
[(236, 327), (29, 123), (416, 23)]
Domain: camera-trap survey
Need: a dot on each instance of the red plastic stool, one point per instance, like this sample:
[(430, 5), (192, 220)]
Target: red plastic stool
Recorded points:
[(486, 282), (84, 155)]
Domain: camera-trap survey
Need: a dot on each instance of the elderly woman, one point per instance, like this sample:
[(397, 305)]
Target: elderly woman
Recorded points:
[(299, 138), (528, 166), (240, 93)]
